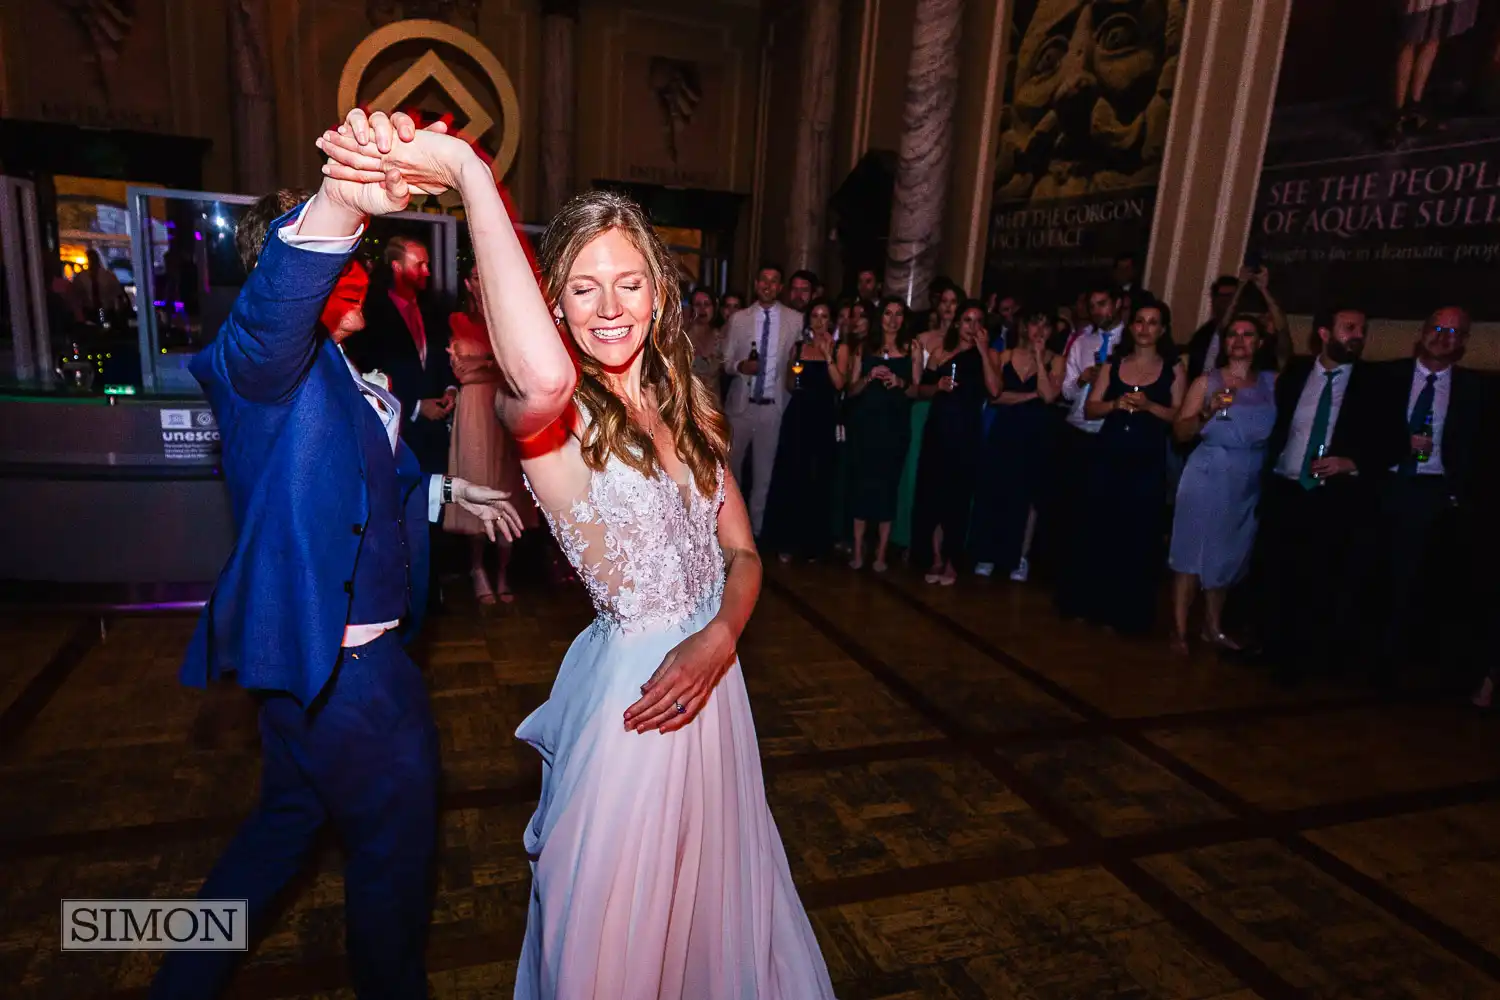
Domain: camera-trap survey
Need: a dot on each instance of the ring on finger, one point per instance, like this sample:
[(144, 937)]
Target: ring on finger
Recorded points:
[(681, 708)]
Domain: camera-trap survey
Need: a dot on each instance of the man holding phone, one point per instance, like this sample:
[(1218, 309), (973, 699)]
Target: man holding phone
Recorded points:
[(1226, 299)]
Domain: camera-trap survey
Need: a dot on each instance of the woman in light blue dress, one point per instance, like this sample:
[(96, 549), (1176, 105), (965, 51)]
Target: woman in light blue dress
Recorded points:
[(1230, 409)]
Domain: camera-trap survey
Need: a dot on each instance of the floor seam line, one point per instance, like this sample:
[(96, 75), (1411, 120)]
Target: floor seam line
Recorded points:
[(1429, 926)]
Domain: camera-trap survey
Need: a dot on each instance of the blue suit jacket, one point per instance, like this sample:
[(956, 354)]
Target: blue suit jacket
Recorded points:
[(289, 416)]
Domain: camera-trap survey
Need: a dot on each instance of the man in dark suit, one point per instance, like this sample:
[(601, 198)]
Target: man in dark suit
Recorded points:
[(1426, 523), (406, 338), (323, 588), (1326, 446)]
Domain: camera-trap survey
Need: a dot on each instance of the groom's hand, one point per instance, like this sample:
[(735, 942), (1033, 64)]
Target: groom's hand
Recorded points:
[(372, 149), (368, 192)]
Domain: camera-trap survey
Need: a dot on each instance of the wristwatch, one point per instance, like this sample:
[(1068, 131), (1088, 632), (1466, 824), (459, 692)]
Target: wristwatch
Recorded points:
[(447, 489)]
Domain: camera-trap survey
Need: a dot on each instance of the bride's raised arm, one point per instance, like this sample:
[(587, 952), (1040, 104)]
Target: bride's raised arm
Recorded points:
[(537, 371)]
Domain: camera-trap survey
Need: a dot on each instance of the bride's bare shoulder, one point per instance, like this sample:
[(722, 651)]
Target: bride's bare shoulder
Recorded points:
[(553, 462)]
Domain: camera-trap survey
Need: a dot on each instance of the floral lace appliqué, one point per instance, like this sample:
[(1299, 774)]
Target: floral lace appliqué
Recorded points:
[(648, 558)]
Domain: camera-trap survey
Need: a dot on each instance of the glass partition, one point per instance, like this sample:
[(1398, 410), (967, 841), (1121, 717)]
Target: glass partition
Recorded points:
[(188, 273)]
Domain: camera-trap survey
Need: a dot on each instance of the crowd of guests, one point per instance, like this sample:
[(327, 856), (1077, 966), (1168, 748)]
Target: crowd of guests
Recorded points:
[(1324, 508)]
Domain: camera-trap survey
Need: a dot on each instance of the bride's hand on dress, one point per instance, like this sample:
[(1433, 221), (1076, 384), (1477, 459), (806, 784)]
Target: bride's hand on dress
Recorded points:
[(492, 507), (686, 678)]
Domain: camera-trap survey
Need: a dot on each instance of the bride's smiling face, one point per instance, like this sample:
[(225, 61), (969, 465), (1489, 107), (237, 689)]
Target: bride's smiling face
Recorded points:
[(608, 299)]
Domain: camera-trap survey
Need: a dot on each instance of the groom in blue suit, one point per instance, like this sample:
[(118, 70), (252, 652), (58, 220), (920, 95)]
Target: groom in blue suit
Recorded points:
[(326, 583)]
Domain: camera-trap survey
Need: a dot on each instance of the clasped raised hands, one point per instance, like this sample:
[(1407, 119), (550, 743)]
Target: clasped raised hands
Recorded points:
[(376, 161)]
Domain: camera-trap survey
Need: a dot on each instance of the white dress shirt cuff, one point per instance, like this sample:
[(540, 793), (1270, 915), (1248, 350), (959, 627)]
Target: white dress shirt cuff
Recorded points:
[(317, 244), (434, 498)]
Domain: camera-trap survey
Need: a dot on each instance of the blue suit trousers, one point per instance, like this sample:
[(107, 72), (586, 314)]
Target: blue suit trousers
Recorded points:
[(365, 758)]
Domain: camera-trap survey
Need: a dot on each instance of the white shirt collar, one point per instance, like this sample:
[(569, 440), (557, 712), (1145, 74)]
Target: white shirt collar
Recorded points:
[(1423, 371)]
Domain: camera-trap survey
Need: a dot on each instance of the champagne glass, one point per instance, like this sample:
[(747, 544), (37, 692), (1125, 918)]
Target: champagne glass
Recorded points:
[(1225, 398), (797, 370)]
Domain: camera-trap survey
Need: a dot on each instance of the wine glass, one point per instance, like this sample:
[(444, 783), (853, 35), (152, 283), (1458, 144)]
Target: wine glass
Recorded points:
[(797, 371), (1225, 398)]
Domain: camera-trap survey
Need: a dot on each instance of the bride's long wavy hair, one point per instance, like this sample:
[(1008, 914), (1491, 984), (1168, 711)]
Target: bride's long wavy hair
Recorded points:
[(699, 430)]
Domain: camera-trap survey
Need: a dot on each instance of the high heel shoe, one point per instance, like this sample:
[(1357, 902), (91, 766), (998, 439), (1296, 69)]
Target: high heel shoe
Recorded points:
[(482, 592), (1178, 644), (1221, 640)]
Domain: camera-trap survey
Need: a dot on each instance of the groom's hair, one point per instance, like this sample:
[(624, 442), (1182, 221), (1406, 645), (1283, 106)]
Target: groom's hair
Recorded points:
[(250, 234)]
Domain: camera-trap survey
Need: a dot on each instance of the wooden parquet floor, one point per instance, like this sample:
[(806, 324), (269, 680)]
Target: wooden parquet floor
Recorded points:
[(977, 801)]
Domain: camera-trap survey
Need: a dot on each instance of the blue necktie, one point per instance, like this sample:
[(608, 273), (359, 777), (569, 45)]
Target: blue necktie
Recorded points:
[(1420, 414), (1100, 357), (765, 360), (1319, 431)]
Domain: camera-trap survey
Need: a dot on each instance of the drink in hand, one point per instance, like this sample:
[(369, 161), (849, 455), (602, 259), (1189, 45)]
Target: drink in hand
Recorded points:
[(1225, 398)]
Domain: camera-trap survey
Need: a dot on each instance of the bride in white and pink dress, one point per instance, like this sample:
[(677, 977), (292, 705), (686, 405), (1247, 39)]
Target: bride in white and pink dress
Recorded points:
[(657, 868)]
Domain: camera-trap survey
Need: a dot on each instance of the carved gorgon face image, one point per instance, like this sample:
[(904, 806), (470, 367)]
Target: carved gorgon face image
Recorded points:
[(1087, 74)]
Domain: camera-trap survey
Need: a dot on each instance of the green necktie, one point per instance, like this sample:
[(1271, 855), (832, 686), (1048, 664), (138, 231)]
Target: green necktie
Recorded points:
[(1419, 422), (1319, 431)]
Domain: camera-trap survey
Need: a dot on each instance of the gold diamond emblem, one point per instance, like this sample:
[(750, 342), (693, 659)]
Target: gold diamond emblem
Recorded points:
[(478, 122)]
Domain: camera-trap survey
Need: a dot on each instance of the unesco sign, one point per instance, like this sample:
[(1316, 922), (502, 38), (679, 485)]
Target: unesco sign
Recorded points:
[(155, 925), (189, 435)]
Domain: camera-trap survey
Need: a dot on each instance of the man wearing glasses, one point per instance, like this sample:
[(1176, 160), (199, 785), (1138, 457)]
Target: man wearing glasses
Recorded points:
[(1425, 501)]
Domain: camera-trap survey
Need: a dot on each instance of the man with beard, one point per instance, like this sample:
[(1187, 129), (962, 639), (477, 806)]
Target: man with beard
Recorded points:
[(1434, 412), (406, 336), (1323, 452), (800, 290)]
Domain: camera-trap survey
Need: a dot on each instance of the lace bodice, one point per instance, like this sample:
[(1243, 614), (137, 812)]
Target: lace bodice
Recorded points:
[(646, 548)]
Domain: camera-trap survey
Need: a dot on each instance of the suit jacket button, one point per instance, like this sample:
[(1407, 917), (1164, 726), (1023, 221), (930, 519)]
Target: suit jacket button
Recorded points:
[(348, 586), (359, 529)]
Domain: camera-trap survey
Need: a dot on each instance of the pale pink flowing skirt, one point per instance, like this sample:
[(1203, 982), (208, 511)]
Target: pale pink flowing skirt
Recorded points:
[(657, 869)]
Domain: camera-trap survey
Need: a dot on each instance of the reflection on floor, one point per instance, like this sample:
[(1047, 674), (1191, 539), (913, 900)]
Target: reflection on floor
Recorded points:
[(978, 801)]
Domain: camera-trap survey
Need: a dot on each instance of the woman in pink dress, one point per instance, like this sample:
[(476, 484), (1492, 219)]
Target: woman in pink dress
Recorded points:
[(480, 450), (657, 869)]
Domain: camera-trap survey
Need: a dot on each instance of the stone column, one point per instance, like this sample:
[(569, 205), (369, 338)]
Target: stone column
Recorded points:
[(252, 98), (813, 160), (981, 96), (926, 149), (1221, 113), (559, 97)]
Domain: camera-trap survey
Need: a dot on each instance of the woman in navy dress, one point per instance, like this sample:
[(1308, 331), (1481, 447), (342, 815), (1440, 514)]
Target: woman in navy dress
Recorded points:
[(1230, 409), (797, 509), (954, 378), (1127, 472), (1014, 463)]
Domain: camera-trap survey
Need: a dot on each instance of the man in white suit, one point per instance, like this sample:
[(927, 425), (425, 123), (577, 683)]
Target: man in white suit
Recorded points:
[(758, 393)]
